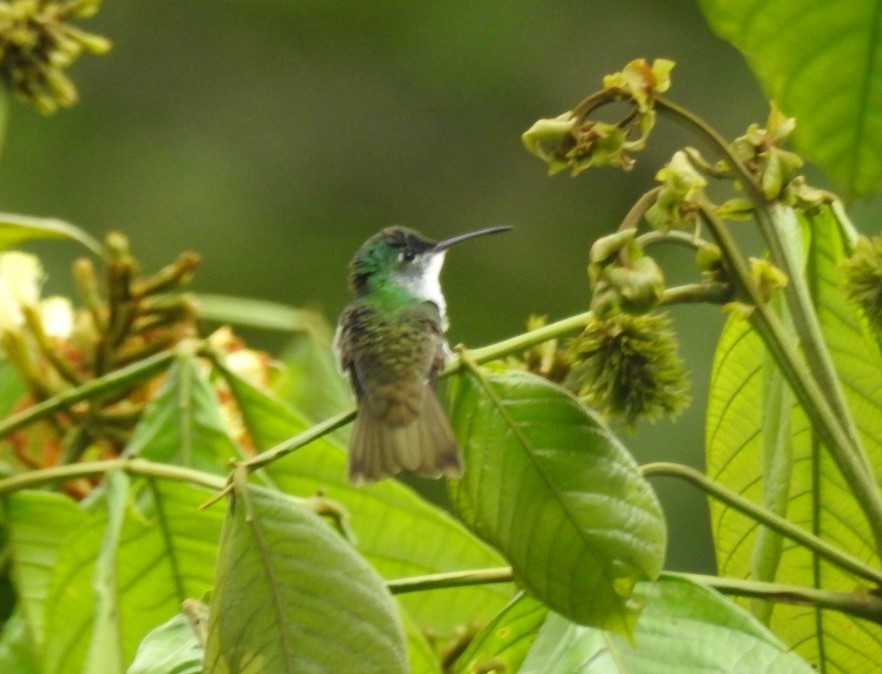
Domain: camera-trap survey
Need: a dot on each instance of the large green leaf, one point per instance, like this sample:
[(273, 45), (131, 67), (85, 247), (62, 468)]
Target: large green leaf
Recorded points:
[(121, 578), (384, 517), (822, 63), (761, 445), (683, 628), (40, 524), (553, 489), (292, 595), (183, 423)]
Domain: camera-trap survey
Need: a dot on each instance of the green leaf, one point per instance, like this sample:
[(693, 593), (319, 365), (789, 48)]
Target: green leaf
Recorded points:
[(383, 517), (40, 524), (553, 489), (683, 628), (820, 62), (291, 595), (17, 652), (762, 446), (173, 647), (253, 313), (18, 229), (506, 640), (159, 561), (312, 381), (105, 656), (183, 423)]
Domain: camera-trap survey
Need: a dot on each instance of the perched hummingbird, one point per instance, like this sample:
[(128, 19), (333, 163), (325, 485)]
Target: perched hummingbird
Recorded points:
[(390, 343)]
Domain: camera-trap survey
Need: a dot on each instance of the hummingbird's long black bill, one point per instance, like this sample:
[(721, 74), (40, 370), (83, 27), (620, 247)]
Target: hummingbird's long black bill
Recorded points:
[(447, 243)]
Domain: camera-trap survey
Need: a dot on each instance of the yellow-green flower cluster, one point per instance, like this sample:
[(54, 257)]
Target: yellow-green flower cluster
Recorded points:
[(574, 141), (628, 366), (863, 279), (38, 43)]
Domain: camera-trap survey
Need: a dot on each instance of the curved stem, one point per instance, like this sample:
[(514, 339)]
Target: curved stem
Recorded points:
[(860, 604), (437, 581), (784, 527), (134, 466), (299, 440), (638, 210), (674, 236), (864, 605)]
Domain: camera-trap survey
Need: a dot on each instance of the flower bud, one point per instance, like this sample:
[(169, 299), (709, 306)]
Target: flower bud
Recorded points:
[(622, 277)]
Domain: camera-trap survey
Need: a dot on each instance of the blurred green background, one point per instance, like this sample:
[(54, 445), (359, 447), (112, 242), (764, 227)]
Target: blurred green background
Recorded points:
[(273, 137)]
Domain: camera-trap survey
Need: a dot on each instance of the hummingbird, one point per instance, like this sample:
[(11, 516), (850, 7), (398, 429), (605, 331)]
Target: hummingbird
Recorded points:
[(390, 344)]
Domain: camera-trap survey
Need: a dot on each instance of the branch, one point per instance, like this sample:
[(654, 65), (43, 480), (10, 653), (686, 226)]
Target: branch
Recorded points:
[(109, 383), (438, 581), (133, 466), (859, 604), (864, 605), (782, 526)]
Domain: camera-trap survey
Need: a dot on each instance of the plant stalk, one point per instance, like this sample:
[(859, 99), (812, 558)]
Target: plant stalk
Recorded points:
[(775, 522), (131, 466), (109, 383), (439, 581), (864, 605), (859, 604)]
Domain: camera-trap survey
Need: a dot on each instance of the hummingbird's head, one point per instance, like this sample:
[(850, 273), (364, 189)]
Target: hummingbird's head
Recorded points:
[(401, 259), (395, 255)]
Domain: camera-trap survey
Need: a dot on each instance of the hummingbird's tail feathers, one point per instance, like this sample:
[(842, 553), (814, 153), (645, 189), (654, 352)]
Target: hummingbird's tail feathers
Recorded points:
[(423, 446)]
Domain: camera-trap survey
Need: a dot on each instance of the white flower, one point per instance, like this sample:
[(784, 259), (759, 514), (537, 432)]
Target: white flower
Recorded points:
[(57, 317), (21, 276)]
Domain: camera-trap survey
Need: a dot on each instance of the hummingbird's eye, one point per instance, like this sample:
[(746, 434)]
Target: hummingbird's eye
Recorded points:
[(407, 256)]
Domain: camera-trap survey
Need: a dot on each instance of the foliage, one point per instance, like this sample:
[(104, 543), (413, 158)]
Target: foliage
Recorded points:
[(821, 65), (200, 520)]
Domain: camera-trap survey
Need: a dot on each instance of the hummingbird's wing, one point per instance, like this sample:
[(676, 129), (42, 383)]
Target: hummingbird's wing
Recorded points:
[(393, 362)]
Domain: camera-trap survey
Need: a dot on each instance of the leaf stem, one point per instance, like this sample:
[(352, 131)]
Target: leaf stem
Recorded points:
[(109, 383), (299, 440), (132, 466), (638, 210), (859, 604), (864, 605), (784, 527), (438, 581)]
